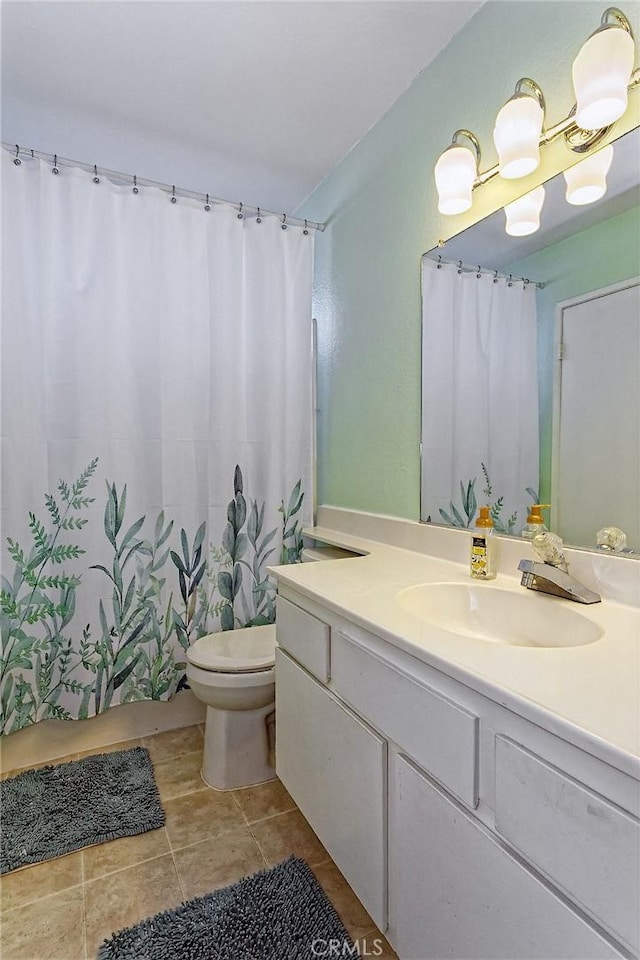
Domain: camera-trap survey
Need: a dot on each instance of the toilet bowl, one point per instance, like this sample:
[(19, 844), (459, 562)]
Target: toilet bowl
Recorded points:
[(233, 673)]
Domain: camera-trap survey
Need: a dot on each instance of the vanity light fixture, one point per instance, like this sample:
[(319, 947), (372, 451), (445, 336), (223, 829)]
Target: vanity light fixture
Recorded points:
[(602, 71), (518, 129), (587, 180), (455, 172), (523, 215), (603, 74)]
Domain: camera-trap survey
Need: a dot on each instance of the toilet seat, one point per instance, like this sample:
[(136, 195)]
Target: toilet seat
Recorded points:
[(250, 650)]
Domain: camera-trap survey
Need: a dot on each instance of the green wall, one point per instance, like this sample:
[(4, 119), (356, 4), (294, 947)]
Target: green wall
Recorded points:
[(592, 259), (380, 207)]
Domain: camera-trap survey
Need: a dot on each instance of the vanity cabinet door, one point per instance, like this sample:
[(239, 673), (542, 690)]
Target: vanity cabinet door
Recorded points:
[(454, 891), (334, 767)]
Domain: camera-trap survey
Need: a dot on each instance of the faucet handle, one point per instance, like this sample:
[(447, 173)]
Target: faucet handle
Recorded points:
[(611, 539), (548, 546)]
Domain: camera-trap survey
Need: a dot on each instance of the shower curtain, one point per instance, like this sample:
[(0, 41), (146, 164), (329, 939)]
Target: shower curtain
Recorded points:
[(156, 423), (479, 397)]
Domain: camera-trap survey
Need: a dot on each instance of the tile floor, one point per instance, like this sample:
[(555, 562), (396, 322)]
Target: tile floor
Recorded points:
[(64, 909)]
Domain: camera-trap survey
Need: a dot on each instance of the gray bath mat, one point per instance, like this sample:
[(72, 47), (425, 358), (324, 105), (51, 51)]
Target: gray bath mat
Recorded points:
[(58, 809), (277, 914)]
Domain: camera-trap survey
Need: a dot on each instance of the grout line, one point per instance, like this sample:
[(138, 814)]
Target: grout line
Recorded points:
[(29, 903), (135, 863), (240, 827), (260, 850), (183, 892), (239, 806), (270, 816)]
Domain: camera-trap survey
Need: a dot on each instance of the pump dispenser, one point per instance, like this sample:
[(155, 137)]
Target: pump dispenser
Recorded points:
[(483, 546), (535, 523)]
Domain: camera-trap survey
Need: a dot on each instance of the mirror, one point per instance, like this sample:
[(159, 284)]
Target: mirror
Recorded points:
[(531, 366)]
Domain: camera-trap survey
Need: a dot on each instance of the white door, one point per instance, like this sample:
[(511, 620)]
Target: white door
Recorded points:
[(596, 475), (334, 767)]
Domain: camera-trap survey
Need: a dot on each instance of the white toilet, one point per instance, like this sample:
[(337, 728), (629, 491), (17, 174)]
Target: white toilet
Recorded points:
[(233, 672)]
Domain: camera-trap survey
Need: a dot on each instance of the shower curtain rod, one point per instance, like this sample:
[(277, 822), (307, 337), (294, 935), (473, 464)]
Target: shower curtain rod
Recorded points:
[(135, 182), (486, 271)]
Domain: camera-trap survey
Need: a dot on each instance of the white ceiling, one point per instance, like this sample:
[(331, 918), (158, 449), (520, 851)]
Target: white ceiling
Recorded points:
[(276, 93)]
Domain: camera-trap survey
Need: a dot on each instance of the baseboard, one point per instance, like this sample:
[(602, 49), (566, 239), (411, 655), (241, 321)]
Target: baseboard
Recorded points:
[(52, 739)]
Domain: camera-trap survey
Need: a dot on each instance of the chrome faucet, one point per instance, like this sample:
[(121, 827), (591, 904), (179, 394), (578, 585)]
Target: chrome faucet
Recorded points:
[(551, 576)]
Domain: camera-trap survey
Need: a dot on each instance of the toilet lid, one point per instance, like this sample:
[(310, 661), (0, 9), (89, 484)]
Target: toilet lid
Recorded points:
[(235, 651)]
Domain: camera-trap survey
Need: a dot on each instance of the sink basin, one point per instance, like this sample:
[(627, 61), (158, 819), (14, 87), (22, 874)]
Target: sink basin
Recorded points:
[(485, 612)]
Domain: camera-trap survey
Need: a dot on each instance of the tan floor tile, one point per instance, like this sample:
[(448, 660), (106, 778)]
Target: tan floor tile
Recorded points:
[(199, 816), (264, 800), (125, 852), (349, 909), (50, 929), (178, 776), (375, 944), (173, 743), (217, 863), (124, 898), (112, 747), (286, 834), (5, 774), (41, 880)]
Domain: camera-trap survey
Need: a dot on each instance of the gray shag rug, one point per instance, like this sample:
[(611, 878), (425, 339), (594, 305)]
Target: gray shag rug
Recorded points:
[(277, 914), (49, 812)]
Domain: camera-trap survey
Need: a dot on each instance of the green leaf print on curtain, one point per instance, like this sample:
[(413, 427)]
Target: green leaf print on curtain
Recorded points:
[(469, 506), (162, 596)]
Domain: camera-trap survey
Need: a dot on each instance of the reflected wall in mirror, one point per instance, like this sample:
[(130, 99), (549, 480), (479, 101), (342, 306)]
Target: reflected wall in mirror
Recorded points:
[(531, 366)]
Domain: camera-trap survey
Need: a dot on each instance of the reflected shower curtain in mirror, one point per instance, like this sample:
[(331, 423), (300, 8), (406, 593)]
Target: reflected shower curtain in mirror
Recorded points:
[(156, 414), (479, 397)]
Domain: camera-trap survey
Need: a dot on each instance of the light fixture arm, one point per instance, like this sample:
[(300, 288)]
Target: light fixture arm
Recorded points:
[(567, 127), (534, 90), (612, 13), (474, 141)]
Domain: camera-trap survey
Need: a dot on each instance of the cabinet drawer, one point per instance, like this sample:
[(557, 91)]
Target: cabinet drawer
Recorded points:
[(305, 637), (440, 736), (585, 845)]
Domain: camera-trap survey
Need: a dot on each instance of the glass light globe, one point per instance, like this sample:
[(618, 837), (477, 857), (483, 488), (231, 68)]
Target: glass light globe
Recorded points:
[(455, 173), (517, 136), (523, 215), (601, 74), (587, 180)]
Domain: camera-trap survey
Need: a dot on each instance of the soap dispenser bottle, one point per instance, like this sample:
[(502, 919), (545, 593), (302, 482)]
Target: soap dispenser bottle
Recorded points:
[(535, 523), (483, 547)]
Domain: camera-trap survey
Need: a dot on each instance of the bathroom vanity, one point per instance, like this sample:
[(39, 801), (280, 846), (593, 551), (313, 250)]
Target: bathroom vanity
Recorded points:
[(478, 796)]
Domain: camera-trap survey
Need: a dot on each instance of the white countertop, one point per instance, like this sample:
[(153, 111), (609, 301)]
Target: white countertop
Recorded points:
[(589, 694)]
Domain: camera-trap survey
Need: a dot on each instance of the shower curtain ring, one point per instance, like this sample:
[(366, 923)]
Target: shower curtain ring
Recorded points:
[(439, 264), (510, 284), (306, 229), (258, 218), (459, 266), (207, 205), (134, 189), (240, 213), (17, 159), (283, 225), (55, 164), (96, 178), (174, 199), (495, 276), (479, 273)]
